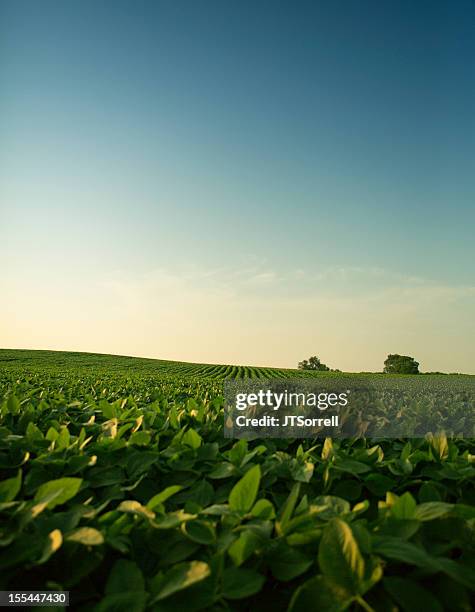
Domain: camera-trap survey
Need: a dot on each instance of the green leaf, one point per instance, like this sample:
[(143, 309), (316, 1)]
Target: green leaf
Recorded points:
[(331, 506), (10, 488), (13, 405), (429, 492), (239, 583), (411, 596), (302, 472), (172, 519), (159, 498), (140, 438), (464, 574), (130, 601), (320, 593), (406, 552), (263, 509), (351, 466), (309, 536), (452, 595), (52, 434), (201, 493), (58, 491), (287, 563), (348, 489), (222, 470), (140, 461), (63, 439), (124, 576), (287, 509), (216, 510), (242, 548), (404, 507), (400, 528), (339, 556), (192, 439), (181, 577), (34, 433), (432, 510), (464, 511), (302, 506), (101, 477), (244, 492), (378, 484), (201, 532), (238, 452)]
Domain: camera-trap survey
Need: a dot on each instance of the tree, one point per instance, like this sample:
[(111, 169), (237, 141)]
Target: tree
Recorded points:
[(313, 363), (401, 364)]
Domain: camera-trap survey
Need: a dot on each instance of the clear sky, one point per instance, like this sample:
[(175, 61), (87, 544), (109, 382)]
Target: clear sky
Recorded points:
[(242, 182)]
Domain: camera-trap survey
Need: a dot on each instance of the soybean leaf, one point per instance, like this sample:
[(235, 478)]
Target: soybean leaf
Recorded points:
[(287, 563), (339, 556), (410, 595), (320, 593), (406, 552), (62, 490), (192, 439), (432, 510), (244, 492), (159, 498), (331, 506), (181, 577), (287, 509), (240, 583), (125, 576), (9, 488), (201, 532), (263, 509), (242, 548), (404, 507), (126, 601)]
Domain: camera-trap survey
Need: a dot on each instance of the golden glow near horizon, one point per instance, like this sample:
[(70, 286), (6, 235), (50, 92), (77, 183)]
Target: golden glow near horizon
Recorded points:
[(245, 318)]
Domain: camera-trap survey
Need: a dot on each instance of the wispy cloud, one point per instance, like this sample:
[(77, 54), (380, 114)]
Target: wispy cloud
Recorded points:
[(355, 285), (352, 317)]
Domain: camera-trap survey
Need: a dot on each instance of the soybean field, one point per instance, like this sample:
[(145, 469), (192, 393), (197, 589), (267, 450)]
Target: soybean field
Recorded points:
[(118, 485)]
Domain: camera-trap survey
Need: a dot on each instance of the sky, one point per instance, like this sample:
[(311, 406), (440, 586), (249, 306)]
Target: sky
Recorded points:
[(242, 182)]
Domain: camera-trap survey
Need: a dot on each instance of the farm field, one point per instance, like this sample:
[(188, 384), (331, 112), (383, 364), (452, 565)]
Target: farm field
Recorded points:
[(117, 484)]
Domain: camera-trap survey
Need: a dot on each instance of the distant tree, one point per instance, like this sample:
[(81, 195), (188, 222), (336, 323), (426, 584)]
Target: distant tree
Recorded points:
[(401, 364), (313, 363)]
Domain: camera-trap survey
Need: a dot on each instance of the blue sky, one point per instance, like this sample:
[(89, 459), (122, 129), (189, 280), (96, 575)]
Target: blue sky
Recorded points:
[(302, 171)]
